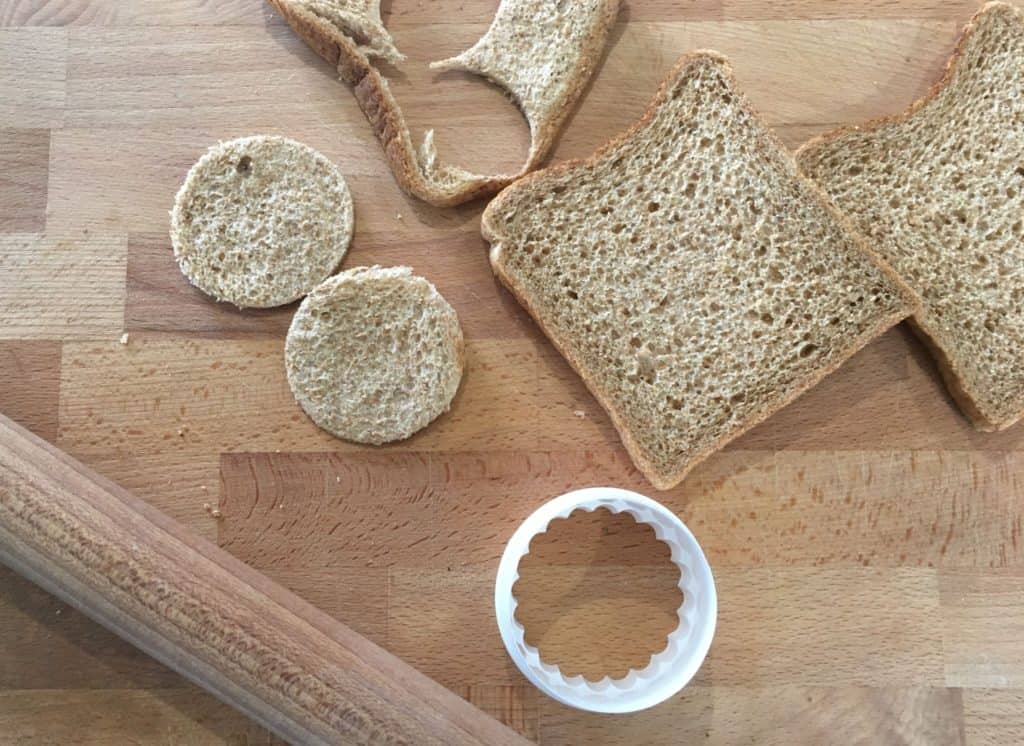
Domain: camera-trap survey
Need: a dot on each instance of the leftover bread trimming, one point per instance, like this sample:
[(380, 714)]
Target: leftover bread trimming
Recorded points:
[(541, 52)]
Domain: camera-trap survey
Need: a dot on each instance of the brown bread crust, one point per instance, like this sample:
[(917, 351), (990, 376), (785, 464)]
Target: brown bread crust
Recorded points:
[(949, 370), (491, 232), (377, 103)]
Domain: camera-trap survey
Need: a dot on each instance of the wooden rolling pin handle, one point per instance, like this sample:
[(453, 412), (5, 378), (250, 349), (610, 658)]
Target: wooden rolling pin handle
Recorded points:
[(183, 600)]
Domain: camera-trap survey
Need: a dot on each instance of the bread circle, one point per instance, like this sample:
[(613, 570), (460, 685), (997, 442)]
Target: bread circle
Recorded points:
[(374, 354), (260, 221)]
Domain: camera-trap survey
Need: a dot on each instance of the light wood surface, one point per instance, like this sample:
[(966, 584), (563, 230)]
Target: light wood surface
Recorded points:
[(867, 543), (192, 606)]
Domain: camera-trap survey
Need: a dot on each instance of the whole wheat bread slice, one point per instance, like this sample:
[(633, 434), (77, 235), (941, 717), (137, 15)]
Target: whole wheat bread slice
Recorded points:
[(541, 51), (939, 192), (689, 274)]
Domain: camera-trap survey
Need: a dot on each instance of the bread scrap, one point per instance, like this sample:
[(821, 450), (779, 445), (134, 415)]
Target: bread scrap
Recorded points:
[(374, 354), (542, 52), (260, 221), (689, 274), (360, 21), (939, 192)]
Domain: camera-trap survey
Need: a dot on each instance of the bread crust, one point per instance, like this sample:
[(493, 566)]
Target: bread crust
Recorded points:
[(667, 480), (947, 370), (379, 107), (545, 132), (956, 383)]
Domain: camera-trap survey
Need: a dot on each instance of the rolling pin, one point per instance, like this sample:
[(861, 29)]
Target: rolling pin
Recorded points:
[(295, 670)]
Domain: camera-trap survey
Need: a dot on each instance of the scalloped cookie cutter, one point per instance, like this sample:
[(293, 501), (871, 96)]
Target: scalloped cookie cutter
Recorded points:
[(672, 668)]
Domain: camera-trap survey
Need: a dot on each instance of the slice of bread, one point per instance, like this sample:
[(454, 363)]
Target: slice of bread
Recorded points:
[(542, 52), (688, 273), (939, 192), (374, 354), (260, 221)]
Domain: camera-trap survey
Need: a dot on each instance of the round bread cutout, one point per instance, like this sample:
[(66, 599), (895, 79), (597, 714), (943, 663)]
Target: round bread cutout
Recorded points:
[(374, 354), (260, 221)]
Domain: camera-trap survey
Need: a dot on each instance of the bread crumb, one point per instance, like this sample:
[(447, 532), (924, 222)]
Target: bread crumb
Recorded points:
[(181, 432), (398, 215), (338, 480), (580, 413), (204, 488), (216, 513), (207, 507), (124, 338)]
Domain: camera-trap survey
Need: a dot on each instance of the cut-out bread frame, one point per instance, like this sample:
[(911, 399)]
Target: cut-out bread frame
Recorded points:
[(545, 103), (981, 407), (665, 476)]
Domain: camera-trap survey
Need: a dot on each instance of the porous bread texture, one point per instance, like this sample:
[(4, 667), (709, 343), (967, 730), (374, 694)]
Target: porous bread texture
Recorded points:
[(541, 51), (374, 354), (260, 221), (688, 273), (519, 53), (939, 192), (360, 21)]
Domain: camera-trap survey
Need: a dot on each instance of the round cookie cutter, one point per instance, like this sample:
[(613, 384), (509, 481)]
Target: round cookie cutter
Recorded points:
[(669, 670)]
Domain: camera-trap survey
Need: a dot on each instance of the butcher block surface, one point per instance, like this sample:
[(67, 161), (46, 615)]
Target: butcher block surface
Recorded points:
[(868, 545)]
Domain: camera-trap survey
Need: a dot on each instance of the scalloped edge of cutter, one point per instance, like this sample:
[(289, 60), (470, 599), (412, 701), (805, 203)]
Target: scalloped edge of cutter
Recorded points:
[(686, 646)]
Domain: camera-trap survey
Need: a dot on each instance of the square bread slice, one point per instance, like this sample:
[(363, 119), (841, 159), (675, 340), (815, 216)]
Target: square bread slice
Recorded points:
[(688, 272), (939, 192)]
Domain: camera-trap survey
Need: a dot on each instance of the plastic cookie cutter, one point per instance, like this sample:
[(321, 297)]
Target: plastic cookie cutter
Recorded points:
[(687, 645)]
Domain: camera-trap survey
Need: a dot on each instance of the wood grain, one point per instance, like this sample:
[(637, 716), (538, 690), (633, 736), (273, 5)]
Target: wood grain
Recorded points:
[(419, 12), (975, 605), (60, 287), (55, 647), (867, 541), (516, 706), (31, 373), (605, 574), (128, 13), (33, 77), (24, 169), (168, 716), (159, 298), (775, 715), (993, 716), (232, 395), (212, 618)]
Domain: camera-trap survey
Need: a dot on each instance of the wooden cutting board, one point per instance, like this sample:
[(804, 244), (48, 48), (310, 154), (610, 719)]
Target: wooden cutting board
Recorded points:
[(868, 545)]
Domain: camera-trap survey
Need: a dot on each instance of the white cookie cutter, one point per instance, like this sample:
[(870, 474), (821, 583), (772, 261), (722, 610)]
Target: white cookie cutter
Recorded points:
[(671, 669)]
